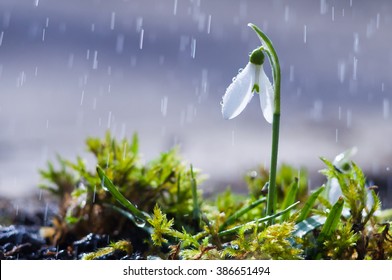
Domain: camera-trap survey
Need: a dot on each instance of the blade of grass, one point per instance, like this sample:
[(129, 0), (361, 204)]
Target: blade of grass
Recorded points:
[(309, 204), (196, 208), (308, 225), (261, 220), (332, 220), (107, 184), (230, 220), (289, 199)]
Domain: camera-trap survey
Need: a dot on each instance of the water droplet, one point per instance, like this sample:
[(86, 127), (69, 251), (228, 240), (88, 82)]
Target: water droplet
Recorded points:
[(378, 21), (233, 79), (95, 61), (193, 48), (291, 74), (356, 42), (175, 7), (333, 13), (82, 98), (109, 119), (139, 222), (139, 24), (43, 34), (141, 39), (164, 101), (305, 33), (349, 118), (112, 20), (209, 24), (286, 13), (240, 70), (36, 3), (323, 7), (1, 37), (355, 68), (341, 71), (385, 108)]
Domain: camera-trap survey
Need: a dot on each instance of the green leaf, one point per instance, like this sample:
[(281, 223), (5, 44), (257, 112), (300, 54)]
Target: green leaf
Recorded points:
[(309, 204), (308, 225), (333, 220), (107, 184), (289, 198)]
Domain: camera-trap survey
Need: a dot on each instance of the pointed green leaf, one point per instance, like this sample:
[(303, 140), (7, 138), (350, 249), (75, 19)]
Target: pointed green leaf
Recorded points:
[(333, 220), (309, 204)]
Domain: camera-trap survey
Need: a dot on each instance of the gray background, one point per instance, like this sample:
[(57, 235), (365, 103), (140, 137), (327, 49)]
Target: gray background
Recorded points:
[(72, 69)]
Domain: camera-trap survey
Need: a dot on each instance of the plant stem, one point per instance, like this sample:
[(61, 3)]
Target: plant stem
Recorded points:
[(273, 57)]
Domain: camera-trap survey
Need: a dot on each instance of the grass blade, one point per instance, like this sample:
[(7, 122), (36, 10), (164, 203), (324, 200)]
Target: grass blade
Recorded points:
[(261, 220), (289, 199), (309, 204), (230, 220), (333, 220), (107, 184)]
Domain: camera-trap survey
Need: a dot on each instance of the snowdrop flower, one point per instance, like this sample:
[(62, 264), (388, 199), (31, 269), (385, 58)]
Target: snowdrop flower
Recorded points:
[(250, 80)]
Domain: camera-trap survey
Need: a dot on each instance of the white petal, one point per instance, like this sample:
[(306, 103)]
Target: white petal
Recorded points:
[(239, 93), (266, 96)]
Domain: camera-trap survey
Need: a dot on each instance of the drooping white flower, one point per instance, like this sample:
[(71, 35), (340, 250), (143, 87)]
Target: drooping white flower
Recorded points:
[(250, 80)]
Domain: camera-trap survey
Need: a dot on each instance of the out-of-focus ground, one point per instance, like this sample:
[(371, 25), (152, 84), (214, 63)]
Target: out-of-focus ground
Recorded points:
[(72, 69)]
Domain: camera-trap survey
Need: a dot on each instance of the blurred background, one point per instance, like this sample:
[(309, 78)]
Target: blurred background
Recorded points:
[(72, 69)]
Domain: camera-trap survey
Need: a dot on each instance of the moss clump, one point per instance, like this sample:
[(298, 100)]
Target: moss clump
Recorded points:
[(155, 210)]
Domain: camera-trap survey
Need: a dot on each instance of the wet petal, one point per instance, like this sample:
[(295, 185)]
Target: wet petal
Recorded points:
[(266, 96), (239, 93)]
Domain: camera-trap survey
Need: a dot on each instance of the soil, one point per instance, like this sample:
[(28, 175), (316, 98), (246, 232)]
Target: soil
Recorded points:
[(21, 238)]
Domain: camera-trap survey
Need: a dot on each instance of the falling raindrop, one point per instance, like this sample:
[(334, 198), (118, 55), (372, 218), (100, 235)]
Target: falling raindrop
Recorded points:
[(323, 7), (356, 42), (351, 3), (141, 39), (95, 61), (385, 108), (139, 24), (340, 113), (112, 20), (382, 87), (43, 34), (109, 119), (349, 118), (209, 24), (175, 7), (355, 68), (82, 98), (164, 101), (1, 37), (336, 135), (305, 33), (17, 210), (46, 213), (47, 22), (378, 21), (94, 193), (341, 71), (193, 48), (343, 12), (333, 13), (92, 27), (286, 13), (36, 3), (291, 73), (88, 54)]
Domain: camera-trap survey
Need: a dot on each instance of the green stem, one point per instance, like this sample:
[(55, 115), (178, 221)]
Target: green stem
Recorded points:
[(273, 57)]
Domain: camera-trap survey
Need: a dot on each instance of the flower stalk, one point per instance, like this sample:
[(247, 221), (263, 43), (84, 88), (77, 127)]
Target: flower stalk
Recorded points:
[(273, 57)]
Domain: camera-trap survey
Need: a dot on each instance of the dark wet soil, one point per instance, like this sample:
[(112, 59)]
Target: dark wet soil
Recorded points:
[(21, 238)]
